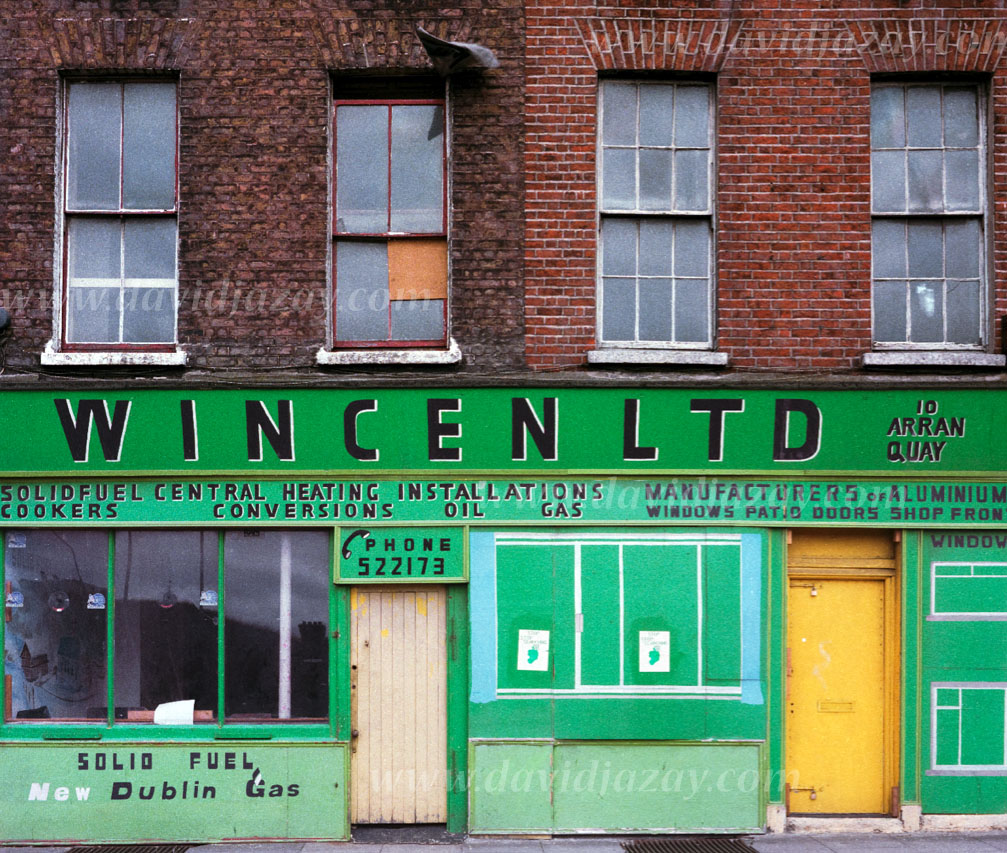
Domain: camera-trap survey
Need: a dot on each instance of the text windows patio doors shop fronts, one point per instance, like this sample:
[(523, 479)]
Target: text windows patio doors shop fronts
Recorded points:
[(120, 212), (390, 218), (231, 625), (928, 197), (656, 211)]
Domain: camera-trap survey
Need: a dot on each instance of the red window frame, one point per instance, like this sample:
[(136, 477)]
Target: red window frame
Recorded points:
[(386, 236), (119, 213)]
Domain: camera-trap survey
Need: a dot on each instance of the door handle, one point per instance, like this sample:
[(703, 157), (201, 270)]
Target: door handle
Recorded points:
[(354, 733)]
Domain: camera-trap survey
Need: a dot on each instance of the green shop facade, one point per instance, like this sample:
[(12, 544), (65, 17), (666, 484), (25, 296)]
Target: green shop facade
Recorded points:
[(279, 613)]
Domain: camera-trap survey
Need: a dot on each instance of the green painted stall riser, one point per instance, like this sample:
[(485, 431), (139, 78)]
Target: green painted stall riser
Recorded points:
[(131, 792), (615, 787)]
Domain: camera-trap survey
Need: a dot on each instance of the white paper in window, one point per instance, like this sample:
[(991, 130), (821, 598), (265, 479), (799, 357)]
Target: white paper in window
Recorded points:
[(179, 713)]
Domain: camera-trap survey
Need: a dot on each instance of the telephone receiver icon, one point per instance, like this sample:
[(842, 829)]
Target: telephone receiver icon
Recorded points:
[(366, 534)]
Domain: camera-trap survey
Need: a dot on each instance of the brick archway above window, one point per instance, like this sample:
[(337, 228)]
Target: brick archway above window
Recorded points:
[(120, 44), (657, 44), (346, 41), (908, 45)]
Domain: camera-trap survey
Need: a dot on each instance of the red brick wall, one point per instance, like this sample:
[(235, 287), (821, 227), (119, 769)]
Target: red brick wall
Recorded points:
[(254, 89), (793, 226)]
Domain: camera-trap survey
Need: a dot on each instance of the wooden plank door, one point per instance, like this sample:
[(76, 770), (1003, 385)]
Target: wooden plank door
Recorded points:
[(398, 705)]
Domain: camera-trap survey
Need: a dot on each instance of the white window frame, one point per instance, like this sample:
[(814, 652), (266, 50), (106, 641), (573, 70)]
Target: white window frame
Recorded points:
[(650, 351), (888, 352), (962, 769), (58, 352)]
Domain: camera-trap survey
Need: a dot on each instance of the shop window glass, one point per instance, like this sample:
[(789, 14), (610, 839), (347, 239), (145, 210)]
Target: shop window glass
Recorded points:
[(166, 612), (55, 638), (276, 612), (165, 622)]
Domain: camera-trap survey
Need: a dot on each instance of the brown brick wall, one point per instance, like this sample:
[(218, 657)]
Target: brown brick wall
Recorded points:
[(254, 88), (793, 225)]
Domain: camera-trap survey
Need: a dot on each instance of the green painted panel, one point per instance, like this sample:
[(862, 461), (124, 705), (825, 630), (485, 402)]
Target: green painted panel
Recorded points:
[(389, 555), (983, 727), (510, 787), (600, 591), (651, 584), (137, 792), (964, 674), (650, 787), (774, 662), (913, 593), (948, 724), (658, 718), (975, 594), (662, 595), (511, 718), (721, 615), (525, 603)]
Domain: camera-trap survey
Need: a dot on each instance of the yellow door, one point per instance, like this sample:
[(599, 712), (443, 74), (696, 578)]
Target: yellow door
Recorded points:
[(836, 744), (398, 689)]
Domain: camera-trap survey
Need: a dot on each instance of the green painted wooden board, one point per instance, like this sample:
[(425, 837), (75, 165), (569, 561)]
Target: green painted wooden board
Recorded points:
[(615, 787), (132, 792)]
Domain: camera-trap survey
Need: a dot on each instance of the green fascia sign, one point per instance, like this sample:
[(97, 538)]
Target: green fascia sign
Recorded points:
[(391, 432), (370, 511)]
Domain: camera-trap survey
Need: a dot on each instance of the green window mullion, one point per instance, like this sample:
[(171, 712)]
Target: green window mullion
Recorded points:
[(110, 630), (220, 628)]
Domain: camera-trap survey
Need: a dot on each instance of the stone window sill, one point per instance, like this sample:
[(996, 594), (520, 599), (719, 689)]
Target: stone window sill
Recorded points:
[(112, 358), (919, 358), (379, 357), (657, 357)]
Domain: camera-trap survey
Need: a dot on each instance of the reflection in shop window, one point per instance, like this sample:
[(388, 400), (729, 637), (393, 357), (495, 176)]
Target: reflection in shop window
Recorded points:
[(165, 622), (166, 657), (55, 633), (276, 612)]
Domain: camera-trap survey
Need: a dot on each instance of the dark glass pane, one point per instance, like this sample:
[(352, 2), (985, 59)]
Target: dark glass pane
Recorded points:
[(276, 617), (148, 138), (964, 323), (655, 309), (417, 319), (890, 311), (618, 309), (361, 169), (361, 291), (888, 120), (94, 119), (54, 639), (926, 311), (417, 168), (165, 621)]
